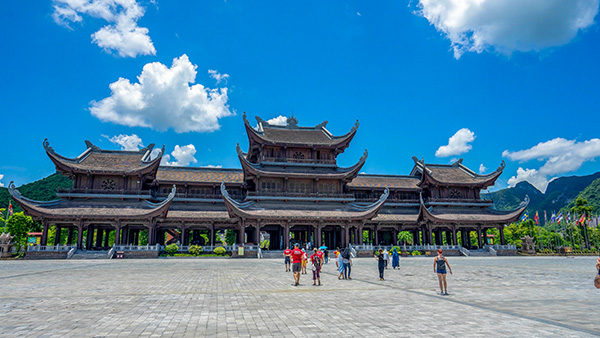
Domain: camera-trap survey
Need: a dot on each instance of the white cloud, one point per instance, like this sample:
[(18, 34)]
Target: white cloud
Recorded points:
[(482, 168), (508, 25), (183, 156), (218, 76), (163, 98), (212, 166), (560, 156), (122, 34), (278, 121), (457, 144), (127, 142), (1, 184)]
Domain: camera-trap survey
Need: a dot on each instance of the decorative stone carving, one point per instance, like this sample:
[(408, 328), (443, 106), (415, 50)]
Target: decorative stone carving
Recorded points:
[(5, 245), (527, 245)]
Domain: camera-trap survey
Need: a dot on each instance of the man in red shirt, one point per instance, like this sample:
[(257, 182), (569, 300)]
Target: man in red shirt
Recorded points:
[(296, 263), (286, 259), (317, 262)]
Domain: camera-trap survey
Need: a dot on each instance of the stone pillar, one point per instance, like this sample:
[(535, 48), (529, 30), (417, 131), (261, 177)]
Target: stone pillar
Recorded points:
[(479, 237), (454, 239), (501, 229), (80, 236), (70, 236), (44, 239)]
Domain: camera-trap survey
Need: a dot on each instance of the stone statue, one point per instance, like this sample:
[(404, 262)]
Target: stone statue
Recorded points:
[(5, 245), (527, 245)]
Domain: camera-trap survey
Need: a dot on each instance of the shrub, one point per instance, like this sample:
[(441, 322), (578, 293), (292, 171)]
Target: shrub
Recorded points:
[(171, 249), (397, 249), (220, 250), (416, 253), (195, 250)]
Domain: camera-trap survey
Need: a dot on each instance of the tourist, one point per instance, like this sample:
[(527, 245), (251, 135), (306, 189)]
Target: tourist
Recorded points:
[(296, 263), (386, 258), (347, 259), (339, 262), (317, 263), (286, 259), (439, 266), (597, 279), (395, 259), (380, 263), (304, 261)]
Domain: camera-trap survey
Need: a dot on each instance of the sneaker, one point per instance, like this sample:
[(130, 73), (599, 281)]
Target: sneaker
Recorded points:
[(446, 293), (381, 279), (349, 277)]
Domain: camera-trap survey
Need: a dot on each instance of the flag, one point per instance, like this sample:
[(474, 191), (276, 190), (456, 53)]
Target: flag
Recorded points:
[(569, 217), (545, 218), (537, 218), (10, 209), (524, 217), (582, 219), (553, 218), (559, 218)]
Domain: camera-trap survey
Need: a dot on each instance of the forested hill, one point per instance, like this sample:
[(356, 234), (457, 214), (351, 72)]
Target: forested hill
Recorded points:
[(591, 193), (559, 194), (41, 190)]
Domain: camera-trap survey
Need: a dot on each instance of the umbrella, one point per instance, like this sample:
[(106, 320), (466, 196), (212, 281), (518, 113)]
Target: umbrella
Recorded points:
[(323, 247)]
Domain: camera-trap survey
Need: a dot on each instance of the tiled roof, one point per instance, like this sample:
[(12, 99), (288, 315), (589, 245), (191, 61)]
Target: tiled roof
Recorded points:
[(111, 161), (474, 215), (454, 175), (298, 136), (382, 181), (200, 175)]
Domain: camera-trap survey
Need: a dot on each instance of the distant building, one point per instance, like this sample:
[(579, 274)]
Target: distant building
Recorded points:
[(290, 187)]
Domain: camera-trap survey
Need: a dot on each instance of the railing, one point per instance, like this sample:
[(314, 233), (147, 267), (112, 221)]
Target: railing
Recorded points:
[(407, 247), (202, 196), (211, 248), (53, 248), (389, 200), (299, 194), (102, 191), (71, 253), (156, 247), (492, 251), (465, 252), (297, 160), (502, 247), (458, 200)]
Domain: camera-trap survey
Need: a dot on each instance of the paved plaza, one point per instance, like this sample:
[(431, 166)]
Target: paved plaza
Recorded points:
[(489, 296)]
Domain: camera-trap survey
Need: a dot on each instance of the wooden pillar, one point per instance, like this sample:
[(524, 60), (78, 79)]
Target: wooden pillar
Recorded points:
[(416, 237), (454, 239), (106, 237), (99, 233), (212, 234), (131, 236), (118, 233), (57, 235), (152, 232), (424, 234), (360, 233), (479, 237), (484, 232), (394, 236), (184, 236), (449, 237), (346, 235), (90, 237), (286, 235), (80, 236), (430, 236), (241, 231), (257, 233), (376, 235), (44, 239), (438, 236), (501, 230), (70, 236)]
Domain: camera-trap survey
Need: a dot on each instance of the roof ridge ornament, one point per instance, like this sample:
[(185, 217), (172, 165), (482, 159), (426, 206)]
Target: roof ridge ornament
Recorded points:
[(47, 146), (292, 122), (89, 144), (321, 125)]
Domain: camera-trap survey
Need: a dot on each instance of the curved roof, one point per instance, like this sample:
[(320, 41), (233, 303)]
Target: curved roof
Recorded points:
[(298, 211), (305, 171), (454, 174), (466, 215), (292, 134), (199, 175), (99, 161), (63, 209), (382, 181)]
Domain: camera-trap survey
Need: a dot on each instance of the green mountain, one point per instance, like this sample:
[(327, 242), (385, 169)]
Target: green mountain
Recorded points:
[(41, 190), (559, 193), (591, 193)]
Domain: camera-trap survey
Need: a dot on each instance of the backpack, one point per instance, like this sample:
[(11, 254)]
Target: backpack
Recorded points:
[(346, 254), (317, 260)]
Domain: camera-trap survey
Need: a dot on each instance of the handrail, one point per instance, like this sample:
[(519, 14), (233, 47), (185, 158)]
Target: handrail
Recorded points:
[(49, 248), (297, 160), (298, 194), (102, 191)]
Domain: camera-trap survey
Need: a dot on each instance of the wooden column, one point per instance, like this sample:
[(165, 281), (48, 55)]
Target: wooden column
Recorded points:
[(257, 234), (90, 237), (106, 237), (151, 234), (70, 236), (449, 237), (484, 233), (99, 233), (395, 236), (346, 235), (479, 236), (501, 230), (286, 235), (454, 239), (80, 235), (118, 233), (360, 233), (241, 231), (430, 236), (212, 234), (319, 240), (44, 239), (376, 236), (57, 235)]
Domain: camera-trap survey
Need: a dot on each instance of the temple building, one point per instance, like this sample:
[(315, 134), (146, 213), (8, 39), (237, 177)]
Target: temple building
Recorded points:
[(290, 189)]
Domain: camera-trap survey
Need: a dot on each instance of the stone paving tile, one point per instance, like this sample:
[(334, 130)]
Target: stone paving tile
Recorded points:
[(490, 296)]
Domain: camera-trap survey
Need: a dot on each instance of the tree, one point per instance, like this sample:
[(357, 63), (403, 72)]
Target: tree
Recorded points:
[(405, 237), (230, 237), (582, 207), (18, 226)]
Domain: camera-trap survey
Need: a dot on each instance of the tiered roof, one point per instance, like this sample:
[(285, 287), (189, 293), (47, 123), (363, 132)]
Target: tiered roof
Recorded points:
[(383, 181), (455, 174), (99, 161), (293, 135), (199, 175), (92, 209)]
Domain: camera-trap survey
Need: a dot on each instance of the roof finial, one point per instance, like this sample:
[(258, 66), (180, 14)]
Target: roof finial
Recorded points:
[(292, 122)]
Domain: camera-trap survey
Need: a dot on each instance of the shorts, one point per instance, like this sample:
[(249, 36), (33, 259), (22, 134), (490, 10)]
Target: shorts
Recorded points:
[(442, 271), (287, 260), (296, 267)]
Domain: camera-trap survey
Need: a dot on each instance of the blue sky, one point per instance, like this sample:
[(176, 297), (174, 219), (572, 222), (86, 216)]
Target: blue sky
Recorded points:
[(518, 84)]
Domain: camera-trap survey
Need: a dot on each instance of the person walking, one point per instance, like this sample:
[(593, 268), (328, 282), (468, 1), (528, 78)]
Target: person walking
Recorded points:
[(287, 259), (439, 266), (339, 262), (304, 261), (317, 263), (326, 252), (347, 260), (380, 263), (597, 279), (296, 263), (395, 259), (386, 257)]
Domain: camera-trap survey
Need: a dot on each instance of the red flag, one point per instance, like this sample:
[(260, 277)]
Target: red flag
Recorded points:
[(582, 219), (10, 209), (537, 218)]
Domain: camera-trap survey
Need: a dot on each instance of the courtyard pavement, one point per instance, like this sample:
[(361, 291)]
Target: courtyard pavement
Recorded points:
[(489, 296)]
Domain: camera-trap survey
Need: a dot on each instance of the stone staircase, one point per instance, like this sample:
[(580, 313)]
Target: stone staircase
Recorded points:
[(273, 254), (480, 253), (81, 254)]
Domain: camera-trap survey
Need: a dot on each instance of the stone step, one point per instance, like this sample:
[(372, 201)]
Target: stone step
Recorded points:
[(80, 254), (480, 253)]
